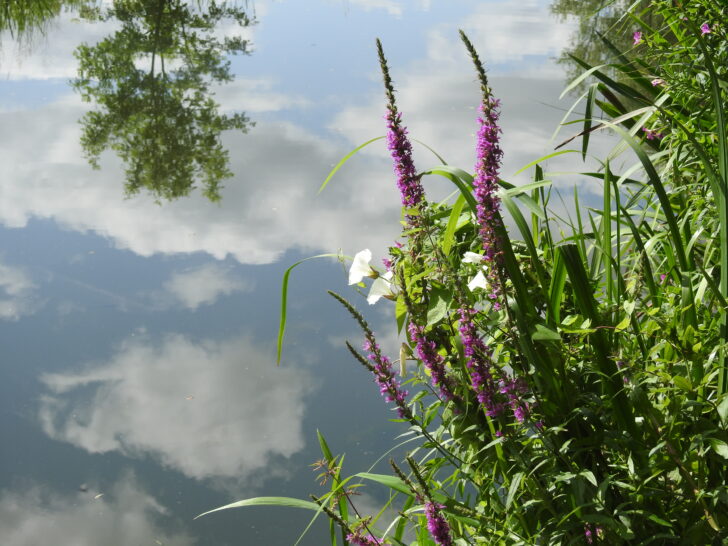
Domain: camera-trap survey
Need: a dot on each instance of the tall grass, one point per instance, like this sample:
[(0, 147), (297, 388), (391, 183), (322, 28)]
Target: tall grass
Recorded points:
[(576, 393)]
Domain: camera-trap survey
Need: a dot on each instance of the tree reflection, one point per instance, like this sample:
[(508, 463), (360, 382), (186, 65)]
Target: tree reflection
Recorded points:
[(150, 81), (595, 17), (22, 17)]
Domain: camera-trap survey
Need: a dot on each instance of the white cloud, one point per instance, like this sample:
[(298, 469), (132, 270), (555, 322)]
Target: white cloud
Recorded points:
[(209, 410), (124, 516), (204, 285), (49, 54), (511, 37), (390, 6), (16, 293), (271, 206), (255, 95)]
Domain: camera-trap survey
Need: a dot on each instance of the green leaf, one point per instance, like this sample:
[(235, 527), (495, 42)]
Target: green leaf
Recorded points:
[(543, 333), (623, 324), (587, 121), (723, 408), (452, 223), (439, 304), (683, 383), (284, 300), (659, 521), (389, 481), (589, 475), (720, 447), (513, 489), (324, 446), (460, 178), (345, 159), (544, 158), (266, 501)]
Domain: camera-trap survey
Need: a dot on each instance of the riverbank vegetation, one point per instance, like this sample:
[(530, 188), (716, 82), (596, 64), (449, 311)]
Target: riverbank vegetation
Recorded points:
[(566, 374)]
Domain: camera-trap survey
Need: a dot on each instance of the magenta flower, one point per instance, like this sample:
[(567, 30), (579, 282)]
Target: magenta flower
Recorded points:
[(360, 539), (485, 183), (588, 535), (401, 150), (514, 389), (652, 134), (389, 386), (427, 352), (479, 364), (437, 524), (637, 37), (398, 143), (705, 28)]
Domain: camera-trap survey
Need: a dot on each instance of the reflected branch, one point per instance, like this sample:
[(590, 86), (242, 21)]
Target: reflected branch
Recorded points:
[(151, 84)]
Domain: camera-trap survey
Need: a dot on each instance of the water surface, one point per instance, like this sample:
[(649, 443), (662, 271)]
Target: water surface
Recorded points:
[(138, 384)]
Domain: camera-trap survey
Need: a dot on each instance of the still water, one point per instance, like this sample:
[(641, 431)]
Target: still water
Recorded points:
[(138, 385)]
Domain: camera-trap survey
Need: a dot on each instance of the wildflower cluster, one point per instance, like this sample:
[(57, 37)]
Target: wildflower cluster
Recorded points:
[(570, 383)]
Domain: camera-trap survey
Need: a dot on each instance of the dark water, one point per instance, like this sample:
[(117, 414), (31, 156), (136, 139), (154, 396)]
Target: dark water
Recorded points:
[(138, 384)]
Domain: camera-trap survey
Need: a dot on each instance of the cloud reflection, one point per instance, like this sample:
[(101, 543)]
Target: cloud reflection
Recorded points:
[(210, 410), (16, 293), (272, 204), (204, 285), (124, 516)]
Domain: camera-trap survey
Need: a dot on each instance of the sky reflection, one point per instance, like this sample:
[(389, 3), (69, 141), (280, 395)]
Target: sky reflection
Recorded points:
[(208, 409), (125, 515), (140, 336)]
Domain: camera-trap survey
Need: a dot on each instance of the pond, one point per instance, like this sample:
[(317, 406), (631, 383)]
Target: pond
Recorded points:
[(138, 378)]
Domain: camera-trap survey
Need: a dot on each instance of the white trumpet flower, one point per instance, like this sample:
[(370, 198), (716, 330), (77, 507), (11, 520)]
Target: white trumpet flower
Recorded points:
[(360, 267), (381, 288), (472, 258), (479, 281)]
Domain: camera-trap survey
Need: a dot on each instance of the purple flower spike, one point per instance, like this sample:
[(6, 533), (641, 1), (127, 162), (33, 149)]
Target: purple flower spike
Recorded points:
[(485, 183), (437, 524), (360, 539), (637, 38), (514, 389), (588, 535), (389, 386), (705, 28), (401, 150), (478, 363), (427, 353), (652, 134)]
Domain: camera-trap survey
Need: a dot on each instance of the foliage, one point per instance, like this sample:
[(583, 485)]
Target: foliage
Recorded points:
[(21, 17), (571, 380), (150, 81)]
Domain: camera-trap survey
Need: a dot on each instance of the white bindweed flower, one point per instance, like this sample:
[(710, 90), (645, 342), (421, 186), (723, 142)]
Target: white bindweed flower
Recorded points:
[(360, 267), (381, 288), (472, 258), (479, 281)]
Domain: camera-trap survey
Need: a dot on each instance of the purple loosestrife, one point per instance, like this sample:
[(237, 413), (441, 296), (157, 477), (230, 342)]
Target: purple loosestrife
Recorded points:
[(485, 183), (389, 386), (399, 145), (486, 175), (360, 539), (377, 363), (437, 524), (514, 389), (479, 365), (427, 352)]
